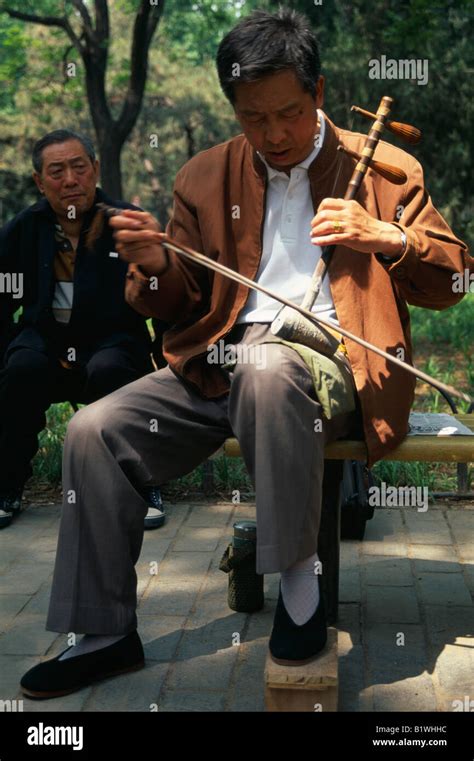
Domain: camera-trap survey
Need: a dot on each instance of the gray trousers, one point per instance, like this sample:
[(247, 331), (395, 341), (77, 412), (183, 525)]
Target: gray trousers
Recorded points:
[(159, 428)]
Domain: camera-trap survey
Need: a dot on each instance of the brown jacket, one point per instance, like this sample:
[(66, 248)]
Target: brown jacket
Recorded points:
[(219, 206)]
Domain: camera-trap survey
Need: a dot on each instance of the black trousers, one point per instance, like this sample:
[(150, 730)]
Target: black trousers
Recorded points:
[(31, 381)]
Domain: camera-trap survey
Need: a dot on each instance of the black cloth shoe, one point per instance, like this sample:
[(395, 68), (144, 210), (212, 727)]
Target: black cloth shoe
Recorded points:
[(54, 678), (10, 506), (293, 645), (156, 515)]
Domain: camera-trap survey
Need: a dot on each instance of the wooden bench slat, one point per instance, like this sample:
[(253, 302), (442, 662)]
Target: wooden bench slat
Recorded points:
[(414, 448)]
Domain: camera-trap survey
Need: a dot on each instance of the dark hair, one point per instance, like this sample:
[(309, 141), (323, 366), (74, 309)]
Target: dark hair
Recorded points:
[(59, 136), (264, 43)]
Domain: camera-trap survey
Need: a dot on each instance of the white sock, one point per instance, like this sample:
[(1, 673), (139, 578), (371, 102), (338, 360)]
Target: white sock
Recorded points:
[(300, 589), (91, 642)]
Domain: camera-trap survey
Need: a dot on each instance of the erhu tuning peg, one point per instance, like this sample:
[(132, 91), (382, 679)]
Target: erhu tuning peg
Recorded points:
[(404, 131), (387, 171)]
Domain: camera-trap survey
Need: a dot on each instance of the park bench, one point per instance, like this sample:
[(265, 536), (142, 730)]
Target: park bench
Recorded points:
[(302, 688)]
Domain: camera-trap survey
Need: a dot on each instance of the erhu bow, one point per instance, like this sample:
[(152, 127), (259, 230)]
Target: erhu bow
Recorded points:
[(298, 322)]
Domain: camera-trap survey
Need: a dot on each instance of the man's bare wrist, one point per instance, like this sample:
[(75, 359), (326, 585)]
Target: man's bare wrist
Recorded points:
[(153, 273)]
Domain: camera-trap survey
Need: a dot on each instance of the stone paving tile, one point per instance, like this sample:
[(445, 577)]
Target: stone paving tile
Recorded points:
[(469, 577), (246, 699), (191, 700), (391, 660), (12, 668), (455, 669), (137, 691), (200, 638), (387, 571), (196, 539), (27, 636), (183, 565), (351, 677), (427, 528), (436, 566), (210, 672), (392, 604), (412, 694), (349, 585), (175, 516), (450, 625), (209, 616), (348, 622), (465, 553), (8, 556), (443, 589), (46, 544), (154, 547), (260, 624), (384, 547), (440, 553), (210, 516), (349, 554), (10, 606), (24, 578), (386, 526), (169, 598), (39, 602), (462, 526), (247, 687), (213, 594), (160, 636)]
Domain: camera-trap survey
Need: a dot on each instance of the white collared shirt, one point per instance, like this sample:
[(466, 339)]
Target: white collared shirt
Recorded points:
[(288, 256)]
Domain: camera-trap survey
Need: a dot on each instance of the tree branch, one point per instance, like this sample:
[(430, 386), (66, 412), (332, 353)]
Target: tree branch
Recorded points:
[(102, 27), (146, 21), (60, 21), (34, 19), (86, 19)]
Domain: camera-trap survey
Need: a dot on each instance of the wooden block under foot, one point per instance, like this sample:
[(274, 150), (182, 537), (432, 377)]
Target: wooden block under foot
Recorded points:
[(312, 687)]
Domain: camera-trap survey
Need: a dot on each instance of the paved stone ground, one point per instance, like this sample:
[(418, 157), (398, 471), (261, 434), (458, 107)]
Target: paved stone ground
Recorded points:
[(406, 628)]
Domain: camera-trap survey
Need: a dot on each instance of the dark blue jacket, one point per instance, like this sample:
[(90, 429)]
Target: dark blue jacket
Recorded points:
[(100, 315)]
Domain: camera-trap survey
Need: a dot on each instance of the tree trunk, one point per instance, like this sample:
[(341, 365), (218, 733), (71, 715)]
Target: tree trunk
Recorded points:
[(110, 174)]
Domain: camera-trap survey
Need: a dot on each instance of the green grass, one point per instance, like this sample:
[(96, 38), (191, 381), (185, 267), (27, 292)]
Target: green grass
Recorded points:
[(47, 463), (451, 326)]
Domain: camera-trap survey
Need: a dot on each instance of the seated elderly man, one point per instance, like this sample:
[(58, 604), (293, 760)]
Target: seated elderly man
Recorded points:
[(77, 338), (263, 203)]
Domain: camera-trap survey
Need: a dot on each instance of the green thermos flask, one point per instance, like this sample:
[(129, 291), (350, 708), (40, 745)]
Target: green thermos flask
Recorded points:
[(245, 591)]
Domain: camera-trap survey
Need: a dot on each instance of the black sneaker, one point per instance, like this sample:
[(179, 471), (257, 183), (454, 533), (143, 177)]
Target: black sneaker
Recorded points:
[(156, 515), (10, 507)]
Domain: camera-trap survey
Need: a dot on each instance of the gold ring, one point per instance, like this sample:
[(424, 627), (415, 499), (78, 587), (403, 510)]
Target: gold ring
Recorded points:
[(338, 226)]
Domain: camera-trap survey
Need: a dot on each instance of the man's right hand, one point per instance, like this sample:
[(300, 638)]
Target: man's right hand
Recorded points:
[(137, 236)]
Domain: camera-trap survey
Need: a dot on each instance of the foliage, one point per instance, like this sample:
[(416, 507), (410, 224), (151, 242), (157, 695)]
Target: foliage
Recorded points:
[(183, 96)]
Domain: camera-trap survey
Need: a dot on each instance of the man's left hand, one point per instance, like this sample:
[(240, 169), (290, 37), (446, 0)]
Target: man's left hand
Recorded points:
[(348, 223)]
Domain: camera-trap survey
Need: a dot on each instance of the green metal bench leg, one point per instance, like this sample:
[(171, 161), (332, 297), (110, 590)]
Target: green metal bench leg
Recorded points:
[(329, 536)]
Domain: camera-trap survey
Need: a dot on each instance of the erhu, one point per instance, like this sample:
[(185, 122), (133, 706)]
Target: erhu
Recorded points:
[(289, 324)]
